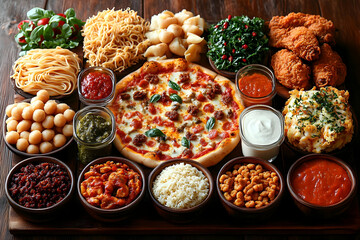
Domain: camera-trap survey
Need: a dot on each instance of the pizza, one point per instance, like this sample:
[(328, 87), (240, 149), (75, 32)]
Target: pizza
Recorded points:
[(171, 109)]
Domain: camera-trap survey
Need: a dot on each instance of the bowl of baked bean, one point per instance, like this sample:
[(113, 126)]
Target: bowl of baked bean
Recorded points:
[(39, 188), (250, 188), (111, 188)]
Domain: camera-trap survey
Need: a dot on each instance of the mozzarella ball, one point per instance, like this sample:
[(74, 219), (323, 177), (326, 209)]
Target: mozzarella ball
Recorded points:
[(32, 149), (22, 105), (50, 107), (16, 113), (59, 120), (22, 144), (24, 125), (36, 126), (39, 115), (34, 99), (35, 137), (9, 109), (27, 113), (46, 147), (38, 104), (67, 130), (12, 125), (25, 135), (69, 114), (43, 95), (61, 107), (48, 121), (175, 29), (12, 137), (59, 140), (48, 135)]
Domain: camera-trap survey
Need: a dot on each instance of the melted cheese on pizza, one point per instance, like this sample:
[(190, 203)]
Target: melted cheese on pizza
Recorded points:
[(176, 114)]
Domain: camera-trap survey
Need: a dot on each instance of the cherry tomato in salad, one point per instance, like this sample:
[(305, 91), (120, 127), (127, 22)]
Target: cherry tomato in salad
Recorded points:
[(43, 21), (25, 21), (61, 22)]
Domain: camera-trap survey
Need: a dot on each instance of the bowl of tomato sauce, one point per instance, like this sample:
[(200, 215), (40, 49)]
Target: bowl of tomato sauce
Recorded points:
[(96, 86), (321, 185), (256, 85)]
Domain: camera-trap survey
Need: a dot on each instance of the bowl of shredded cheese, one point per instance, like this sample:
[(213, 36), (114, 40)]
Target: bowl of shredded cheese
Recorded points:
[(180, 189)]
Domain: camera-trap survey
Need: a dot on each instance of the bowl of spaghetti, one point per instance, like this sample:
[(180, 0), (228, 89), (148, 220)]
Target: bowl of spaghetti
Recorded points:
[(55, 70)]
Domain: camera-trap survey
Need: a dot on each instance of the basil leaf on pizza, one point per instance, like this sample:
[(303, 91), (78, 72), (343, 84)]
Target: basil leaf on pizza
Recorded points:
[(154, 98), (155, 133), (175, 98), (183, 111), (174, 86), (210, 124), (185, 142)]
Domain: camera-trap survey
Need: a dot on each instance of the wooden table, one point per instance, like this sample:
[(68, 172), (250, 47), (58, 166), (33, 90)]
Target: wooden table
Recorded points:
[(344, 14)]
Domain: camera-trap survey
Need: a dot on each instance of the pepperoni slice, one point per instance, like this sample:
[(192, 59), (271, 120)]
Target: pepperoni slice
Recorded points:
[(226, 126), (164, 147), (203, 142), (124, 138), (197, 128), (152, 109), (136, 124), (224, 135), (143, 84), (201, 98), (172, 91), (213, 134), (150, 143), (188, 117), (209, 108)]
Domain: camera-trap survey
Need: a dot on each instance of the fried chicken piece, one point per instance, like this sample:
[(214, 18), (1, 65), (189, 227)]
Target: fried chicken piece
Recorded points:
[(302, 42), (290, 71), (329, 69), (322, 28)]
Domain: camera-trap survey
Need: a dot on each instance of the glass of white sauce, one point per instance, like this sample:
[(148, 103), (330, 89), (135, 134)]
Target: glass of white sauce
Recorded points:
[(261, 131)]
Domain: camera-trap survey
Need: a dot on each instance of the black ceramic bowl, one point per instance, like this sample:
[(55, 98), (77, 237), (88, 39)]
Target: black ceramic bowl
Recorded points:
[(176, 215), (318, 211), (244, 213), (39, 214), (116, 214)]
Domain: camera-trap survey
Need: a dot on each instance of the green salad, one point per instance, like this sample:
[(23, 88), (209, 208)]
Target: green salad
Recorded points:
[(237, 41), (45, 29)]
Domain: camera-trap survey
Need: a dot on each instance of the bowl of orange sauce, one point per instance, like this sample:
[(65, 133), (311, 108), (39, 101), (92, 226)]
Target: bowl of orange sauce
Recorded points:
[(321, 185), (256, 85)]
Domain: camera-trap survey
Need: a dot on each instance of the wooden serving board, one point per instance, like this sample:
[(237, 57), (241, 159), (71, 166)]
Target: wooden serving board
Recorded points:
[(287, 220)]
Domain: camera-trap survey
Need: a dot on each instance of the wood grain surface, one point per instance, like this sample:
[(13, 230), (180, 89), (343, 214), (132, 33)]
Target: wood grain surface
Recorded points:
[(344, 14)]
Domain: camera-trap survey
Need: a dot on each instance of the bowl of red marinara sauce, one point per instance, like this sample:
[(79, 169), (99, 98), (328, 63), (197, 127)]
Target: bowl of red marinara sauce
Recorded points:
[(321, 185), (96, 86)]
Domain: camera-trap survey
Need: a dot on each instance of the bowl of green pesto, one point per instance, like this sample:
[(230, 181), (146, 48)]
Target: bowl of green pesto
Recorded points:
[(94, 132), (235, 42)]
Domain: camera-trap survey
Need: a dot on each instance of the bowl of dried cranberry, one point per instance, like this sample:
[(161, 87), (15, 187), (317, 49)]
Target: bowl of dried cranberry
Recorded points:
[(39, 188)]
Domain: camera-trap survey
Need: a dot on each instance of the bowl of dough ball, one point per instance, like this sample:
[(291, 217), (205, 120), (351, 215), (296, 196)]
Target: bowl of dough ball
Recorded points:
[(250, 189), (180, 189), (38, 126)]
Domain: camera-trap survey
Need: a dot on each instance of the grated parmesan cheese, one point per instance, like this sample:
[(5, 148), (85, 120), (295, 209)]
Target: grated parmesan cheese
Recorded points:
[(180, 186)]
